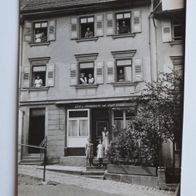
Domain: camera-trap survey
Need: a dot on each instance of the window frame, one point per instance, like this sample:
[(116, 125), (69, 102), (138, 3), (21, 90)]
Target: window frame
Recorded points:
[(32, 76), (116, 23), (116, 68), (79, 72), (78, 119), (80, 29), (182, 25), (33, 34), (124, 116)]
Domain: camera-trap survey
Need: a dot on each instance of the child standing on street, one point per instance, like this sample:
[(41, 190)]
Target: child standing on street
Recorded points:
[(89, 152), (100, 153)]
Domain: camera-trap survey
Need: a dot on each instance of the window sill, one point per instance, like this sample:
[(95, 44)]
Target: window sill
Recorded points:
[(86, 39), (84, 86), (44, 88), (178, 42), (39, 44), (117, 84), (117, 36)]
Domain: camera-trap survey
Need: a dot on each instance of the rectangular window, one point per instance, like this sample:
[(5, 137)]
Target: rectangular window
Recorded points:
[(123, 118), (86, 71), (178, 29), (124, 70), (38, 76), (78, 123), (123, 23), (87, 27), (40, 32)]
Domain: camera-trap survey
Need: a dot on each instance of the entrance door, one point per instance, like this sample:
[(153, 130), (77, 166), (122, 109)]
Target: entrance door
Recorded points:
[(100, 119), (36, 128)]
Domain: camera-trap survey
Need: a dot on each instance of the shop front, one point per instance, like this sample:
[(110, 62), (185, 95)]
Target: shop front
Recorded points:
[(88, 120)]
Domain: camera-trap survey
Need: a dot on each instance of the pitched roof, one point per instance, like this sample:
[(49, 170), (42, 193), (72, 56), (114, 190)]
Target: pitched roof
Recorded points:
[(47, 4)]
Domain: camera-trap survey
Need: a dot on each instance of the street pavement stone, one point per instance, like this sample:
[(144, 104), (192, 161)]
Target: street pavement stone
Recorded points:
[(106, 186)]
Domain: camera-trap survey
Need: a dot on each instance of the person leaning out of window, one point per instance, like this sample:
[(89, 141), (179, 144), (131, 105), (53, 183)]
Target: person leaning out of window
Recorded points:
[(38, 82), (83, 79), (88, 33), (90, 79)]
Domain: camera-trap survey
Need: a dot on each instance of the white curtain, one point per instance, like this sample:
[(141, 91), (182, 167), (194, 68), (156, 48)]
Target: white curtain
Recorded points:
[(83, 128), (73, 128)]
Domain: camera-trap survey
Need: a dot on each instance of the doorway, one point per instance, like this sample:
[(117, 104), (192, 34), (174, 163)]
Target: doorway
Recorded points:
[(100, 119), (36, 128)]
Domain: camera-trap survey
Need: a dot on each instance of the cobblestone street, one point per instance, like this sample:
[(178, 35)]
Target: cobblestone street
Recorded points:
[(73, 185)]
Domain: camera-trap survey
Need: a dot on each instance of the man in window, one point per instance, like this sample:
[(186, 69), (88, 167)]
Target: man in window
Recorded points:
[(38, 82), (83, 79), (123, 28), (90, 79), (88, 33)]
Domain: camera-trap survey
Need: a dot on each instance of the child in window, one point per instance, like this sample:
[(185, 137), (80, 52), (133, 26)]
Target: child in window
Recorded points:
[(90, 79), (100, 153)]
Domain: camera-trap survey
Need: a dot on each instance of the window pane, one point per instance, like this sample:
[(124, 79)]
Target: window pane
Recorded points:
[(128, 73), (37, 25), (91, 19), (123, 62), (118, 124), (127, 15), (83, 20), (75, 114), (119, 16), (73, 128), (118, 114), (44, 24), (83, 128), (86, 65), (39, 68)]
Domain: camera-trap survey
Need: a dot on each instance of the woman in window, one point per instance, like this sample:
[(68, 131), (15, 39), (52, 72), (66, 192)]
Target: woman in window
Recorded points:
[(121, 76), (90, 79), (38, 82), (83, 79)]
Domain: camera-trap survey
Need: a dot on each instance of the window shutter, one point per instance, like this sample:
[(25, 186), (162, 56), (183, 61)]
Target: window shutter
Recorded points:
[(26, 77), (99, 25), (137, 69), (110, 23), (50, 74), (110, 71), (136, 22), (166, 31), (74, 28), (73, 74), (51, 30), (28, 31), (99, 73)]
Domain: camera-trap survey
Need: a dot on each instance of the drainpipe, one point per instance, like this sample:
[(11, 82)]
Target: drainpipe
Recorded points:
[(153, 58)]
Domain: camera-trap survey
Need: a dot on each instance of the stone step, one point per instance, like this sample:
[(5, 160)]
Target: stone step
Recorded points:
[(31, 163), (77, 161), (101, 177)]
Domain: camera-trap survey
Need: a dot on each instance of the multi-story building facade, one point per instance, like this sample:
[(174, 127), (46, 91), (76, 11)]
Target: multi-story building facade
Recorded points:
[(83, 63)]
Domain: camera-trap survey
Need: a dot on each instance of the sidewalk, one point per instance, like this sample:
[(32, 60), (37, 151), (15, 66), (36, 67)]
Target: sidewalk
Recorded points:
[(106, 186)]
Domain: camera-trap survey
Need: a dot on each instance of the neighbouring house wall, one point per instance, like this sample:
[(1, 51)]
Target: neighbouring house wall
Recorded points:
[(55, 132)]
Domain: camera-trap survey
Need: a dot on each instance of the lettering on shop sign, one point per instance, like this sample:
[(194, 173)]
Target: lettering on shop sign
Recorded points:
[(107, 105)]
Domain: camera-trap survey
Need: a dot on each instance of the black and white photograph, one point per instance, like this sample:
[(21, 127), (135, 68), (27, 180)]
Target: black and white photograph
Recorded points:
[(100, 97)]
